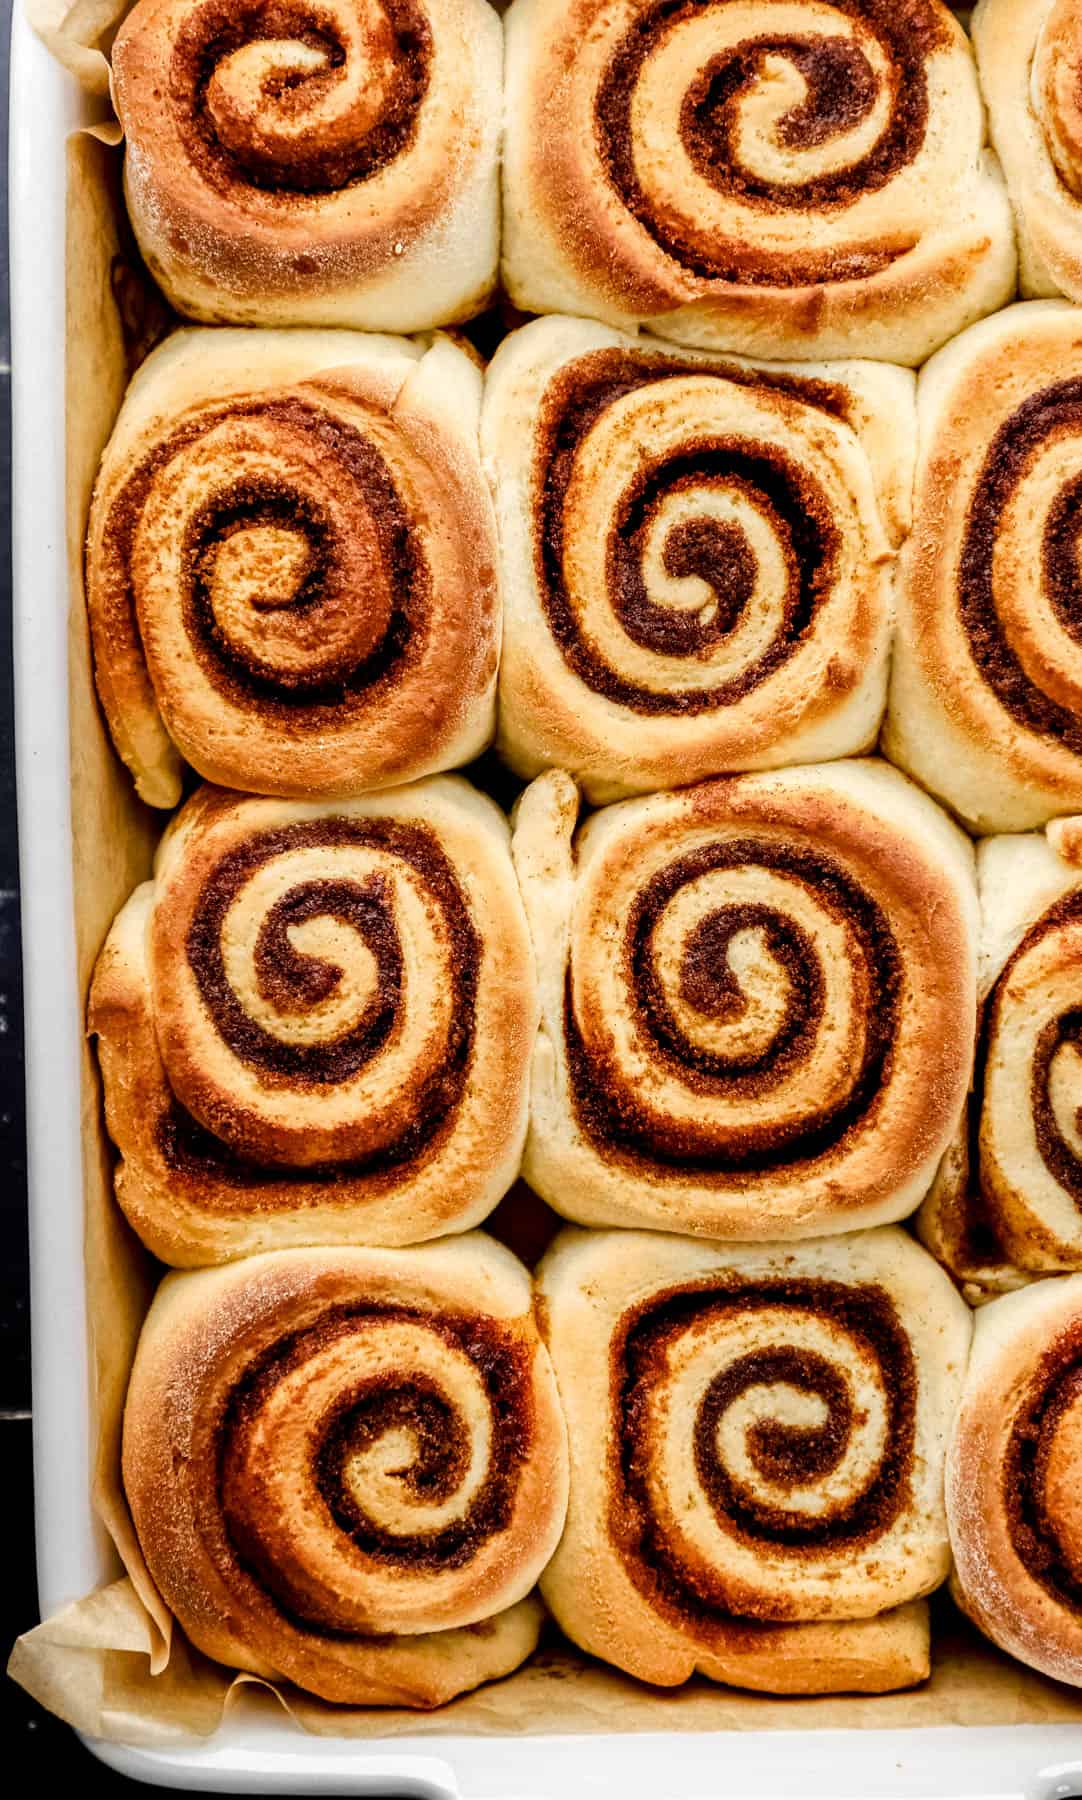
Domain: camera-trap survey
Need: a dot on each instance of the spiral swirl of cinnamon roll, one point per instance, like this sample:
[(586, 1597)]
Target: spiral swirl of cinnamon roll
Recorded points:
[(757, 1446), (1013, 1500), (1008, 1205), (314, 162), (1030, 62), (780, 177), (291, 565), (986, 691), (348, 1467), (757, 1001), (314, 1024), (696, 555)]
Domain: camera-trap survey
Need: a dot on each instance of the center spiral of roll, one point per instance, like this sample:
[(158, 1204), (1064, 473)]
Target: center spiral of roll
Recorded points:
[(335, 963), (813, 116), (1040, 1476), (1025, 515), (751, 1020), (679, 568), (269, 540), (299, 96), (759, 1427), (374, 1444)]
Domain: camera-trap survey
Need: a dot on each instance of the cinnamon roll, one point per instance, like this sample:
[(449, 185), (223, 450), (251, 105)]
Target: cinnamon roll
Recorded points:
[(314, 1024), (291, 565), (758, 1001), (1015, 1209), (786, 178), (696, 553), (1029, 54), (757, 1445), (986, 691), (314, 162), (348, 1467), (1012, 1478)]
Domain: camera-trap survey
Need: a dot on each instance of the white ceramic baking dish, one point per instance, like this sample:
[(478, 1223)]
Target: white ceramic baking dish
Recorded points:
[(258, 1751)]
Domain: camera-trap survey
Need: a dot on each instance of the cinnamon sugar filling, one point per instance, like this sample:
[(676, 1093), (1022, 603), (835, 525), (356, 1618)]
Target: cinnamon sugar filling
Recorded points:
[(841, 89), (406, 1402), (228, 146), (786, 1455), (296, 982), (1055, 411), (614, 1116), (791, 501), (1055, 1391)]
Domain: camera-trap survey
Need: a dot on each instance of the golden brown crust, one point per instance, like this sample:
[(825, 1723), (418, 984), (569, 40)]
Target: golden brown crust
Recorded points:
[(290, 165), (696, 554), (757, 1441), (1012, 1478), (791, 192), (1006, 1204), (1030, 62), (314, 1026), (348, 1467), (986, 687), (757, 1001), (291, 565)]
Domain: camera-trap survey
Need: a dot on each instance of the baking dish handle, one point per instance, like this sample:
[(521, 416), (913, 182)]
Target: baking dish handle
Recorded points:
[(308, 1768), (1063, 1781)]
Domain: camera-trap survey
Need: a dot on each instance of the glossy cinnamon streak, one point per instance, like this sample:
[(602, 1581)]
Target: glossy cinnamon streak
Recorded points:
[(1030, 61), (302, 980), (1054, 412), (986, 684), (971, 1238), (314, 1024), (785, 1455), (607, 1110), (1058, 1157), (228, 148), (841, 90), (1055, 1390), (348, 653), (358, 1417), (798, 512), (1012, 1491), (758, 1436), (347, 1467)]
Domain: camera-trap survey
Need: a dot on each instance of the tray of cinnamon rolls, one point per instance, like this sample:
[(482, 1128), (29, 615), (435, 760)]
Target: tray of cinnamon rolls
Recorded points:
[(549, 576)]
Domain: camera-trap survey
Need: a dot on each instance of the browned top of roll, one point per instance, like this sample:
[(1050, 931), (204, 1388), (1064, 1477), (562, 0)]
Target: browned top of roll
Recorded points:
[(359, 1447), (315, 1024), (691, 1592), (284, 574), (798, 513), (295, 152), (1012, 1477), (781, 179), (758, 1435), (841, 85)]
